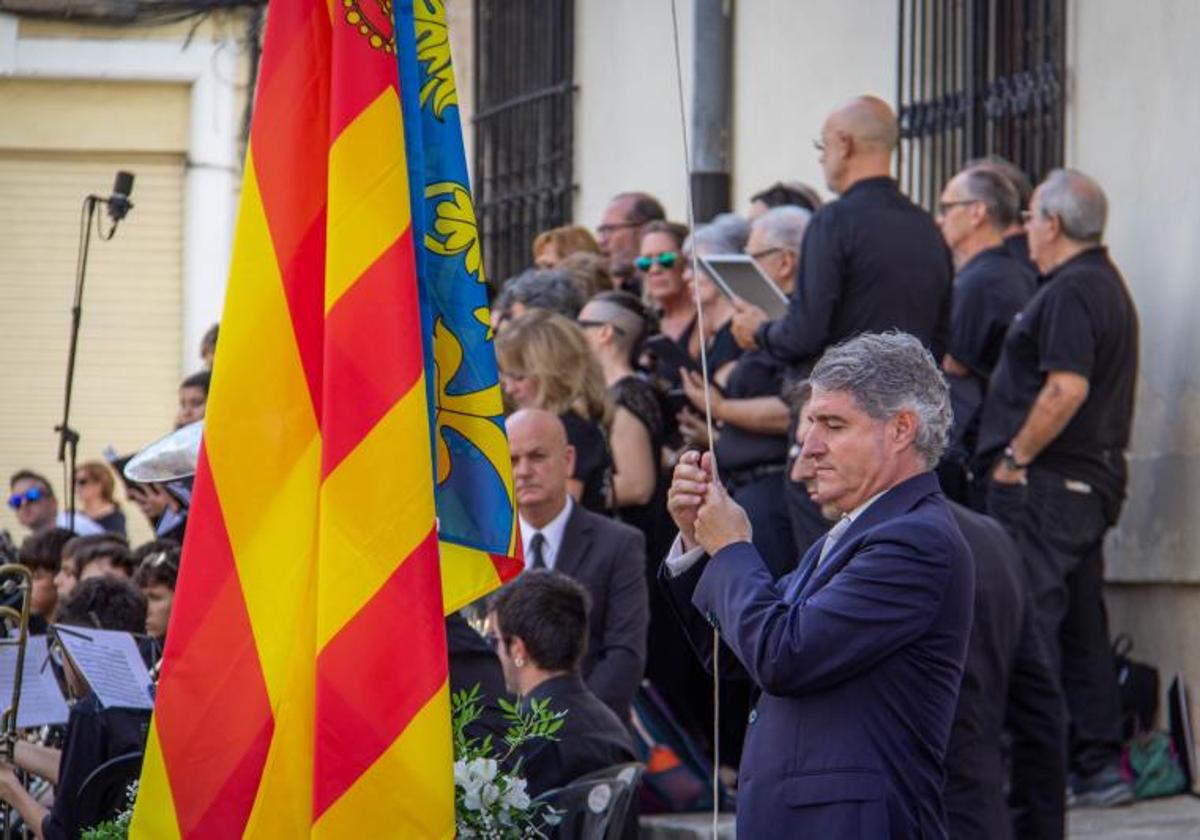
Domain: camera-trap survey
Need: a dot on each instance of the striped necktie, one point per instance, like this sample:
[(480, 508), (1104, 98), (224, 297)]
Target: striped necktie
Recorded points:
[(835, 534)]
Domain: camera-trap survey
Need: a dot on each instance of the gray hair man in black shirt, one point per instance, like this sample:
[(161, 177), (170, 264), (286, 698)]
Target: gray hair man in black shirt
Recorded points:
[(1055, 426), (1015, 239), (872, 261), (975, 208)]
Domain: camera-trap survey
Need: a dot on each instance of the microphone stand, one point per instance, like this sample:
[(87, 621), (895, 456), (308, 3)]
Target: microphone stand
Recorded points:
[(68, 438)]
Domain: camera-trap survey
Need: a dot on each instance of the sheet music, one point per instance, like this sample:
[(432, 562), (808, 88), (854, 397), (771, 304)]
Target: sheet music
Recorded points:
[(41, 703), (110, 662)]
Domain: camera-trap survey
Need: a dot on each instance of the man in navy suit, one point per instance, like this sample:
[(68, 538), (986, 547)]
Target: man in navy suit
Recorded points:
[(859, 652)]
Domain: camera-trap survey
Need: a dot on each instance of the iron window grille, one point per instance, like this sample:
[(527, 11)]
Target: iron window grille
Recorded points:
[(978, 77), (524, 54)]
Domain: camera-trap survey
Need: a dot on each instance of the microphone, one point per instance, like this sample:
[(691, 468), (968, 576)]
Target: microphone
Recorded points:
[(118, 203)]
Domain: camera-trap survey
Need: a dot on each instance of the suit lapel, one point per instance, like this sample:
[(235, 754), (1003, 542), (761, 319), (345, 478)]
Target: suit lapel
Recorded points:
[(900, 499), (803, 571), (577, 539)]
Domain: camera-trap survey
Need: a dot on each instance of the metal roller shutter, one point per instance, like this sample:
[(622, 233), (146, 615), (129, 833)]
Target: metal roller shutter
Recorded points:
[(128, 367)]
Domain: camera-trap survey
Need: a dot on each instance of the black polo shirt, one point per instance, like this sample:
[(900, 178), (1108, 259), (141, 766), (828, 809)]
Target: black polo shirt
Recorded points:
[(1018, 246), (871, 261), (1082, 320), (756, 374), (988, 292)]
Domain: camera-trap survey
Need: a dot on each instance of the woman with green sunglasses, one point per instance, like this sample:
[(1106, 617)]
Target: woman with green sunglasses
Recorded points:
[(662, 271)]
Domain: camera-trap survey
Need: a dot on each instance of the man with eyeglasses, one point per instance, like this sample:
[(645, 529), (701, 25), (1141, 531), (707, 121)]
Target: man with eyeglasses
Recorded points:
[(32, 499), (1015, 239), (1052, 439), (619, 234), (872, 261), (976, 207)]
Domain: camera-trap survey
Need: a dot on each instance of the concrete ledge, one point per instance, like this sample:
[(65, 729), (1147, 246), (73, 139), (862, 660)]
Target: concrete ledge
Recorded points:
[(1176, 816)]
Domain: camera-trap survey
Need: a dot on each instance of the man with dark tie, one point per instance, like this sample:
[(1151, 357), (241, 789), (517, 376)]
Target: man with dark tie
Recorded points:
[(606, 556), (859, 652)]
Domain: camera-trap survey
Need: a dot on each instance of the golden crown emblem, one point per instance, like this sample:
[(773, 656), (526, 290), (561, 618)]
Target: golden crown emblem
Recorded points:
[(377, 27)]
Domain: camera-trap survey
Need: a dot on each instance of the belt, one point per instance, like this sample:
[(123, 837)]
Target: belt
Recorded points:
[(748, 475)]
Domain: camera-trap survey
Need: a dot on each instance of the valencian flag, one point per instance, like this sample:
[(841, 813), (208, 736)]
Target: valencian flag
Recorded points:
[(354, 462)]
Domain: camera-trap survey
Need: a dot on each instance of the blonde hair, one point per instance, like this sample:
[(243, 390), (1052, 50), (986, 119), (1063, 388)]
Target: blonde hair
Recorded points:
[(99, 472), (546, 346), (566, 240)]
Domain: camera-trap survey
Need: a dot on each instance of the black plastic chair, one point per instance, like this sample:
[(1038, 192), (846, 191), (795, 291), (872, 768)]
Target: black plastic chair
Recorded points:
[(624, 821), (103, 793), (586, 809)]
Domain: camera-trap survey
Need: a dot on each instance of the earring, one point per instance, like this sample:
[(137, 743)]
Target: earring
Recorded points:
[(519, 662)]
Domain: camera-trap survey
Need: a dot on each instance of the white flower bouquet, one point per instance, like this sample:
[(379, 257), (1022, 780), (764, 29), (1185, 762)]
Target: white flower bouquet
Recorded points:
[(490, 800)]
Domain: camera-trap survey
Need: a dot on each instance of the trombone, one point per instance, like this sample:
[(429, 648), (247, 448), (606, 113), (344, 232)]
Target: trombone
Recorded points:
[(16, 580)]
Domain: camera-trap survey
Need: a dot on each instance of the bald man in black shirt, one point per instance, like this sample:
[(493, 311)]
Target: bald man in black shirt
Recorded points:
[(871, 261)]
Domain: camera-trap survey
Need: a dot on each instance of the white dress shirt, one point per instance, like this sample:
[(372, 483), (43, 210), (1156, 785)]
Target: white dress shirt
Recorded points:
[(552, 532)]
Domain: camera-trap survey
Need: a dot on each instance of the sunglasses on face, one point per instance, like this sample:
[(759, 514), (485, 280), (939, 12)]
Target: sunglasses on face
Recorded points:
[(597, 324), (665, 260), (16, 500)]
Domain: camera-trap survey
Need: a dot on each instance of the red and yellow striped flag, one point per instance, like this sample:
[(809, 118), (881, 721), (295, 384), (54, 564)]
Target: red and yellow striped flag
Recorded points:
[(304, 686)]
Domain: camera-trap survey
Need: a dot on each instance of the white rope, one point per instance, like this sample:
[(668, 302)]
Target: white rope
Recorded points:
[(691, 221)]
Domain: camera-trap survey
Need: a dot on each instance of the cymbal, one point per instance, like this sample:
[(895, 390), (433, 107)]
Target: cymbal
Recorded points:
[(168, 458)]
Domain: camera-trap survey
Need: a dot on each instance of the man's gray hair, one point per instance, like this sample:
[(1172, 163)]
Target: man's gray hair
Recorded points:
[(544, 288), (725, 234), (997, 194), (886, 373), (1077, 201), (1009, 170), (783, 227)]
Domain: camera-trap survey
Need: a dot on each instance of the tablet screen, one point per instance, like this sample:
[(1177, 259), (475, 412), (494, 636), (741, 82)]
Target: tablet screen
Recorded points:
[(738, 275)]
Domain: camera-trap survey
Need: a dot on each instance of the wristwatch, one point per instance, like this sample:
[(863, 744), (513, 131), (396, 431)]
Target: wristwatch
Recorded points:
[(1010, 460)]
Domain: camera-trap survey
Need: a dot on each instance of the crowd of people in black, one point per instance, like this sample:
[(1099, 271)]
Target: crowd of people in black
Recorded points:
[(614, 350), (1013, 292)]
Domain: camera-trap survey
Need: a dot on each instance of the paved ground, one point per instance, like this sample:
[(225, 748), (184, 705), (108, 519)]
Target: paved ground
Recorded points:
[(1176, 817)]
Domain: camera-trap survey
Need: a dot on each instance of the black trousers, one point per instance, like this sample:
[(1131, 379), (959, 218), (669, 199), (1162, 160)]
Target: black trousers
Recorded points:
[(1059, 527)]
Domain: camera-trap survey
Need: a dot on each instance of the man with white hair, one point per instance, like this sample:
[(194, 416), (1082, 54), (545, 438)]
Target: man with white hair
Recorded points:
[(859, 652), (1055, 427), (774, 244)]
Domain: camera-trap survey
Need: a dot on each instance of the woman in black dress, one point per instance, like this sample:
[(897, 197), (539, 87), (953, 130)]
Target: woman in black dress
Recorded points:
[(545, 363), (615, 324)]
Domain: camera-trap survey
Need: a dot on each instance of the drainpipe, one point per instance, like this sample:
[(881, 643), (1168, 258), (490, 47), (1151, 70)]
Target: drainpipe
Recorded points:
[(712, 107)]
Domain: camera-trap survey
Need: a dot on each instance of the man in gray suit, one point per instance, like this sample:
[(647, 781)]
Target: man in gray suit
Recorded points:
[(606, 557)]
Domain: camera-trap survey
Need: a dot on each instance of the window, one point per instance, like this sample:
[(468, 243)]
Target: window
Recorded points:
[(978, 77), (523, 126)]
